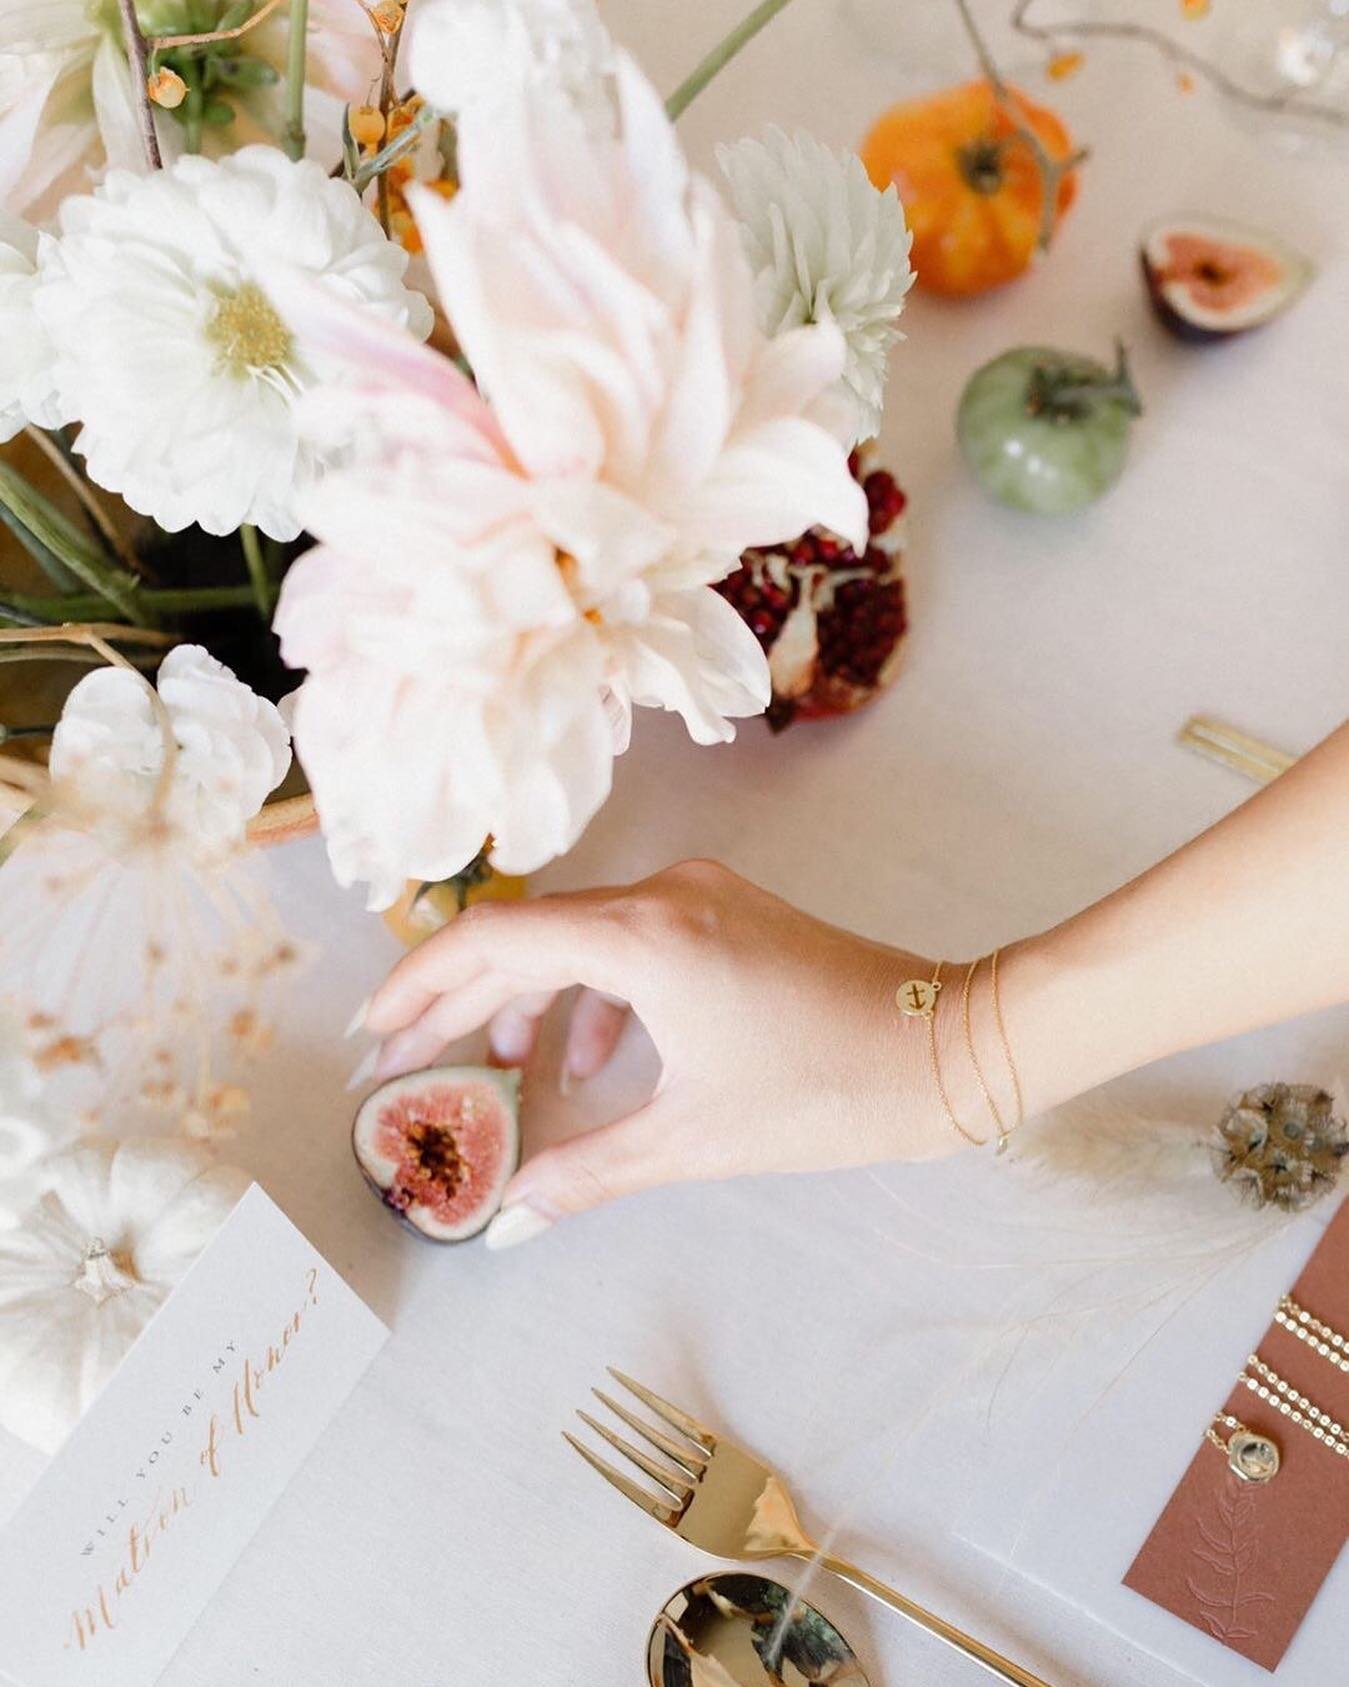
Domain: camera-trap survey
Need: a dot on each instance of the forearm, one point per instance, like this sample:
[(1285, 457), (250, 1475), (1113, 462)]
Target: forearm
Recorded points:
[(1245, 926)]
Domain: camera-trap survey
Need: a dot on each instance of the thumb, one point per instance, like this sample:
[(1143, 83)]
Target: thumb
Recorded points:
[(617, 1159)]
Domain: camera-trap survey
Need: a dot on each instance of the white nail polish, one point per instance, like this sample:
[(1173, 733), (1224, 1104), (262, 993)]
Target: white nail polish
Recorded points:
[(510, 1039), (513, 1225), (365, 1069), (358, 1019)]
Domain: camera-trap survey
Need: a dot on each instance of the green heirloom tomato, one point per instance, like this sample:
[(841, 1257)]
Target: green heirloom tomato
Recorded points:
[(1046, 430)]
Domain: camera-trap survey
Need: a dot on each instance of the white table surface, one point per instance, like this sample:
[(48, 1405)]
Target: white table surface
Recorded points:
[(442, 1534)]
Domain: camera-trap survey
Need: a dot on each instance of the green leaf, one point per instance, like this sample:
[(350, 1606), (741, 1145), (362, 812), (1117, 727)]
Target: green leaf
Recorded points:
[(77, 553), (218, 113)]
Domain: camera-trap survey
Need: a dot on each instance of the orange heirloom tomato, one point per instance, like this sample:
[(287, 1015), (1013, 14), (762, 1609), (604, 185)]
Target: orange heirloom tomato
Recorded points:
[(970, 187)]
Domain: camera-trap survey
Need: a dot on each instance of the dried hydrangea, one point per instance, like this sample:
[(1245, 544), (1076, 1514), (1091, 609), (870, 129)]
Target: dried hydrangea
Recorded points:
[(1281, 1145)]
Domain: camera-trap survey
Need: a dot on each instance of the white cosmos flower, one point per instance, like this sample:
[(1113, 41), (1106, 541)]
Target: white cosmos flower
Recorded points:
[(168, 348), (463, 53), (66, 107), (503, 574), (26, 392), (825, 246), (231, 749)]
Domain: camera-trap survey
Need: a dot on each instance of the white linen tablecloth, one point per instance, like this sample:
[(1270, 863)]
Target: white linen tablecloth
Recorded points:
[(442, 1534)]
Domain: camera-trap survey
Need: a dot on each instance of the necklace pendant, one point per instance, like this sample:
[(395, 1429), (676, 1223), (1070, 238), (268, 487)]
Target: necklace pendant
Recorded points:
[(1254, 1458), (917, 997)]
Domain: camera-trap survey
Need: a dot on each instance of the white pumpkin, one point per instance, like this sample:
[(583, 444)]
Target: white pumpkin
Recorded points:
[(117, 1225), (29, 1128)]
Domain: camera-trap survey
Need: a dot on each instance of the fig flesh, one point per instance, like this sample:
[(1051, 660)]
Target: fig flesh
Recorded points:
[(1209, 279), (440, 1146)]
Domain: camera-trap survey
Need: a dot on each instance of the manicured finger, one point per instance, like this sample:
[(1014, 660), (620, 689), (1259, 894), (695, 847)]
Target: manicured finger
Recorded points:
[(550, 943), (447, 1019), (515, 1030), (630, 1155), (597, 1022)]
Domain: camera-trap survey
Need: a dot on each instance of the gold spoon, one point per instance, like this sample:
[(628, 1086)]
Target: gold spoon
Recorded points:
[(734, 1629)]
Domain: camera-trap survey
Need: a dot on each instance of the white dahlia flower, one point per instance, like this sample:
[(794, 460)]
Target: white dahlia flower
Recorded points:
[(504, 573), (230, 750), (168, 348), (26, 393), (67, 112), (465, 53), (825, 246)]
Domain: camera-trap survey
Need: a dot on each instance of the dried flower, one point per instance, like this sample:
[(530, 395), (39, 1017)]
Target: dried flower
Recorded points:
[(68, 108), (1281, 1144), (169, 349), (825, 246), (230, 749)]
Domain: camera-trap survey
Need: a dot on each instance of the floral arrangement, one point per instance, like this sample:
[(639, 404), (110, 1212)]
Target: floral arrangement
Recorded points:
[(407, 336)]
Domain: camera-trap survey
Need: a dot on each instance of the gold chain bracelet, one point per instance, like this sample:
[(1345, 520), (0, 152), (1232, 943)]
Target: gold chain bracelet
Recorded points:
[(1330, 1344), (916, 998)]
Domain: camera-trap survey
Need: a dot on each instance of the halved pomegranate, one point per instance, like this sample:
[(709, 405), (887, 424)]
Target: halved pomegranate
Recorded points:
[(829, 620)]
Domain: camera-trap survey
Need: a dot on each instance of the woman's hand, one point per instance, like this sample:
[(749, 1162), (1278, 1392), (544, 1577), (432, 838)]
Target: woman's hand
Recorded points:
[(780, 1043)]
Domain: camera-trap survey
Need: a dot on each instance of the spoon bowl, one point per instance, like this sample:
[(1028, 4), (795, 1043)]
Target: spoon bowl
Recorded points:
[(732, 1629)]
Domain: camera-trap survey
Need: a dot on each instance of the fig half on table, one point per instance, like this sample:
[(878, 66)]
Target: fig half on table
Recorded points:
[(439, 1147), (1209, 279)]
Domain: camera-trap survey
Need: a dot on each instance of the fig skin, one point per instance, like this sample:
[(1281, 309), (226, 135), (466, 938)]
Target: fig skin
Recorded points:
[(366, 1146), (1286, 274)]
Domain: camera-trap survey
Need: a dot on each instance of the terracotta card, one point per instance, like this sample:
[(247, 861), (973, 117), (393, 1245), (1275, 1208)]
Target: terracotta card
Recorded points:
[(139, 1518), (1240, 1561)]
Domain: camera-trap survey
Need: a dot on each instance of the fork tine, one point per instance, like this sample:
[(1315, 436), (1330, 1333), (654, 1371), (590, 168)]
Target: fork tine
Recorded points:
[(676, 1481), (691, 1463), (639, 1496), (698, 1433)]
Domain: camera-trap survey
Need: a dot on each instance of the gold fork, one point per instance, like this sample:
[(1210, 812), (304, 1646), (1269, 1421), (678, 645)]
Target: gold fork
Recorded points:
[(729, 1503)]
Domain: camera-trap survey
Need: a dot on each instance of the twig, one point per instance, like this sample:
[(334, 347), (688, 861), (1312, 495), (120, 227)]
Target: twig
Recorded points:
[(720, 56), (162, 43), (388, 50), (1286, 100), (140, 76), (86, 632), (1051, 170), (85, 493), (295, 62), (395, 150)]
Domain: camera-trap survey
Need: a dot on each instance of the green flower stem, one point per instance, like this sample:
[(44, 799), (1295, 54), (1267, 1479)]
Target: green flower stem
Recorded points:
[(299, 29), (160, 601), (721, 55), (264, 592)]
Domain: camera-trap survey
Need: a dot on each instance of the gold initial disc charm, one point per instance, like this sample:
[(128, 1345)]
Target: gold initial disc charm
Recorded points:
[(917, 997), (1254, 1458)]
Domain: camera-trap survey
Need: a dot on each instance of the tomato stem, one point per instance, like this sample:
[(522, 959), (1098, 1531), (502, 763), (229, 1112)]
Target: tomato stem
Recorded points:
[(1062, 392)]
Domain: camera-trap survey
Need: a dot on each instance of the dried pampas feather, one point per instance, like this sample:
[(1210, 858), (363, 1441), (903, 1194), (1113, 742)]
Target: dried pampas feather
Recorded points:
[(1102, 1144)]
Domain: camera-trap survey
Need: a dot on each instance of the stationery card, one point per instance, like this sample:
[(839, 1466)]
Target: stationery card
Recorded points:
[(1244, 1561), (142, 1514)]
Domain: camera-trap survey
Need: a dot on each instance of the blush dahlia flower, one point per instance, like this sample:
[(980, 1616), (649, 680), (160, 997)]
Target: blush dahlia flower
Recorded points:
[(168, 348), (503, 573)]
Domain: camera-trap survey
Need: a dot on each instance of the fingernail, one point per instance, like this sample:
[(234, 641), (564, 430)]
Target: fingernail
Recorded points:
[(357, 1022), (513, 1225), (510, 1037), (365, 1069)]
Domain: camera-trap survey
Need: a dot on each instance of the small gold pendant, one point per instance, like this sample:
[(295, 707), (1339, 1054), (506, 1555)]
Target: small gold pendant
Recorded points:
[(1252, 1457), (917, 997)]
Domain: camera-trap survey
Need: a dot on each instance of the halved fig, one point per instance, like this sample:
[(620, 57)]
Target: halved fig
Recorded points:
[(1209, 279), (440, 1146)]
